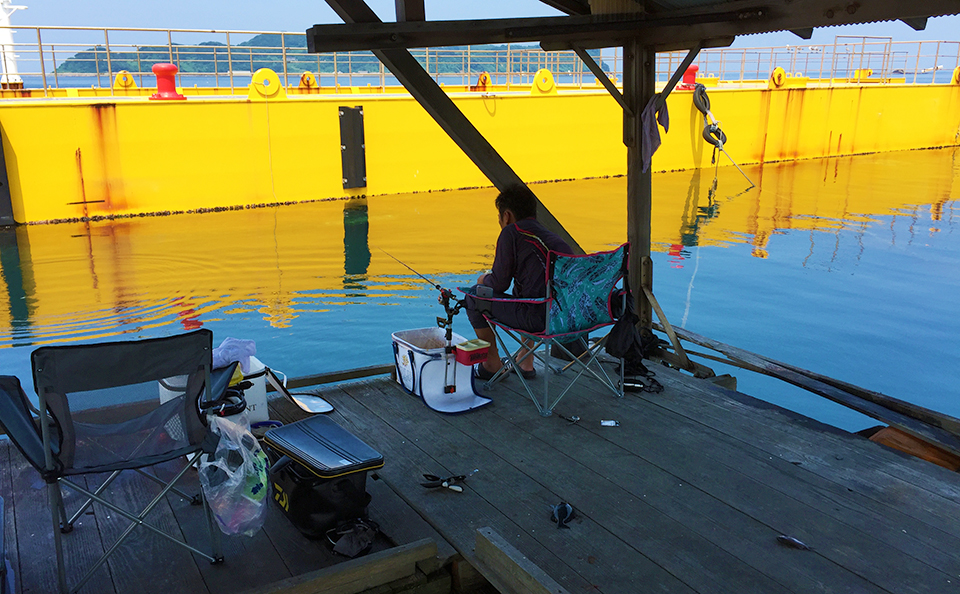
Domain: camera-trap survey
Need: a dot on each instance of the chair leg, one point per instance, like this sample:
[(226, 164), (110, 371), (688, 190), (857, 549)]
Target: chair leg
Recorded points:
[(57, 511), (621, 390), (216, 544), (547, 410)]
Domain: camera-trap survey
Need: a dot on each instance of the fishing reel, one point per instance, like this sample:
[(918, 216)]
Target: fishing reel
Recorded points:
[(445, 298)]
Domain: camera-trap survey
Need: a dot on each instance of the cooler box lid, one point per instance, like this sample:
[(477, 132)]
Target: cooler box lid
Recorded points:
[(323, 447)]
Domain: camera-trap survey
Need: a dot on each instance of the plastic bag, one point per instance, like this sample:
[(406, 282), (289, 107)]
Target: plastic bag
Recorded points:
[(234, 479), (234, 349)]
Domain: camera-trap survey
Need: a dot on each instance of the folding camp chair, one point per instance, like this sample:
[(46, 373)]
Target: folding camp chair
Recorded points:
[(581, 291), (103, 409)]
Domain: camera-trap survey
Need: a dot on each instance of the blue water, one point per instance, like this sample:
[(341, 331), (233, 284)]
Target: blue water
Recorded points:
[(848, 267)]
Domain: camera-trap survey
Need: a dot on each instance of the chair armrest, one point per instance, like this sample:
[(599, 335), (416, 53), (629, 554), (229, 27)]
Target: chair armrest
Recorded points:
[(500, 297), (219, 382)]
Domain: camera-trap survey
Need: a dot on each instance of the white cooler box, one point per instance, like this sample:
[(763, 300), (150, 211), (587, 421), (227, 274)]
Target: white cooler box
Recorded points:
[(255, 396), (421, 367)]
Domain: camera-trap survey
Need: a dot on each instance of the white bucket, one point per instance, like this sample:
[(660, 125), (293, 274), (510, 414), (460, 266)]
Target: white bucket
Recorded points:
[(422, 370), (256, 395)]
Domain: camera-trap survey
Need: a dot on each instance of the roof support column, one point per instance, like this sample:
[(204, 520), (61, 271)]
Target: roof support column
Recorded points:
[(639, 77)]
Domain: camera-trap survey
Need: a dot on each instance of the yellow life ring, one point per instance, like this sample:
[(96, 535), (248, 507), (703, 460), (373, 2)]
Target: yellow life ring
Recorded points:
[(956, 76), (778, 78), (484, 79)]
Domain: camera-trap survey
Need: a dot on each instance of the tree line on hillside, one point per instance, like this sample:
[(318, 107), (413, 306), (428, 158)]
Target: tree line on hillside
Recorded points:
[(267, 51)]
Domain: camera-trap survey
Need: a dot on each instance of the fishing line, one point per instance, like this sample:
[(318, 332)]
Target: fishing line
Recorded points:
[(432, 283)]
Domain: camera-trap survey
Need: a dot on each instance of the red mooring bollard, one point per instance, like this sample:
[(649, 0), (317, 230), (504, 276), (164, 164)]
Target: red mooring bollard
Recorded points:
[(689, 77), (166, 82)]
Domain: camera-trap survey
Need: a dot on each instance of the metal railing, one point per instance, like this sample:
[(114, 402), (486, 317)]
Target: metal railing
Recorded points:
[(912, 61), (71, 57)]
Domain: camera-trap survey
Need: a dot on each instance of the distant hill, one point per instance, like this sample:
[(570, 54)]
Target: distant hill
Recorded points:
[(266, 51)]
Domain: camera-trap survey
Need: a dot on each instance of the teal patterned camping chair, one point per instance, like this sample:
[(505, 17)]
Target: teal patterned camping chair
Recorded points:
[(580, 297)]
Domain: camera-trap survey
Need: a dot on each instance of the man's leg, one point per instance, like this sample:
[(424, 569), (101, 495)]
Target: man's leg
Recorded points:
[(506, 312), (493, 363)]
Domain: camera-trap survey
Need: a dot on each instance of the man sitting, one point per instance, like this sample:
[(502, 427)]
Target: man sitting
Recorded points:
[(520, 259)]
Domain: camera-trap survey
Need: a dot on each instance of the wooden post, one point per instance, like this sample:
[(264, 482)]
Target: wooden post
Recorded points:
[(410, 10), (639, 76)]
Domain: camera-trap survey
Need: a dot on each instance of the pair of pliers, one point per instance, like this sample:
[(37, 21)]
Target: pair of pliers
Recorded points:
[(433, 481)]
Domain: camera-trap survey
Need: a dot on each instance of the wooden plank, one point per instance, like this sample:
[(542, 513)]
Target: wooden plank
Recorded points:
[(710, 544), (442, 109), (357, 575), (453, 515), (141, 563), (510, 569), (678, 349), (336, 376), (637, 484), (513, 481), (928, 416), (9, 512), (403, 525), (247, 560), (876, 408), (399, 523), (782, 433), (38, 561), (856, 534)]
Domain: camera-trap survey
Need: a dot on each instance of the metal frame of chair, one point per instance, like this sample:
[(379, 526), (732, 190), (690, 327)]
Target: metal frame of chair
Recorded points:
[(559, 330), (57, 373)]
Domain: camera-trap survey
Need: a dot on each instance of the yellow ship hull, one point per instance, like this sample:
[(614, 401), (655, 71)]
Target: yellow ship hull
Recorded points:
[(70, 158)]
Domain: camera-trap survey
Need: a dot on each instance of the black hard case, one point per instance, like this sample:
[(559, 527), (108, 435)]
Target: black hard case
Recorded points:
[(325, 482)]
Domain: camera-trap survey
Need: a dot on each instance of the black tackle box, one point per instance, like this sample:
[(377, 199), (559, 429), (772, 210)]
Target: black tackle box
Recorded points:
[(319, 473)]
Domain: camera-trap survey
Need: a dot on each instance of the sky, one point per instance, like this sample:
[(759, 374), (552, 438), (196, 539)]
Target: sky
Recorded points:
[(299, 15)]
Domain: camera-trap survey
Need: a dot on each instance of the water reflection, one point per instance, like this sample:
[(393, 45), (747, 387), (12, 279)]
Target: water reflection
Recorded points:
[(314, 277), (356, 244)]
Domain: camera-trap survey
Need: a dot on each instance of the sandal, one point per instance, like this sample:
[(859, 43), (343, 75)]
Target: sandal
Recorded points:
[(481, 372)]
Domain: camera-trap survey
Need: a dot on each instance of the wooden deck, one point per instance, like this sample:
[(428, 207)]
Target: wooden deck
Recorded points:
[(688, 494), (276, 556)]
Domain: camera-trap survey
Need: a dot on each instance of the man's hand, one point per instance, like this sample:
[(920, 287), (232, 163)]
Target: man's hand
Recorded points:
[(481, 278)]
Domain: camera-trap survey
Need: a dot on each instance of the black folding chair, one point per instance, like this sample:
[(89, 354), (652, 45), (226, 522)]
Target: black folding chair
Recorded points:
[(103, 408)]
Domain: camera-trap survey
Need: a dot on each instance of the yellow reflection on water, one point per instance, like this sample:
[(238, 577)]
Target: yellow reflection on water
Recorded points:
[(96, 279)]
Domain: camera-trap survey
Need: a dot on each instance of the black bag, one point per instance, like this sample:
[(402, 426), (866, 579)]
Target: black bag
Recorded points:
[(624, 341)]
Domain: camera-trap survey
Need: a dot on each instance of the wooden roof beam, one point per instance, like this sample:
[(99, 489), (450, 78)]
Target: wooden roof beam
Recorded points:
[(572, 7), (602, 77), (410, 10), (675, 29), (609, 32)]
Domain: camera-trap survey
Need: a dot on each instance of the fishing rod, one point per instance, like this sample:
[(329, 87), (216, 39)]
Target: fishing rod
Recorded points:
[(405, 265), (446, 296)]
